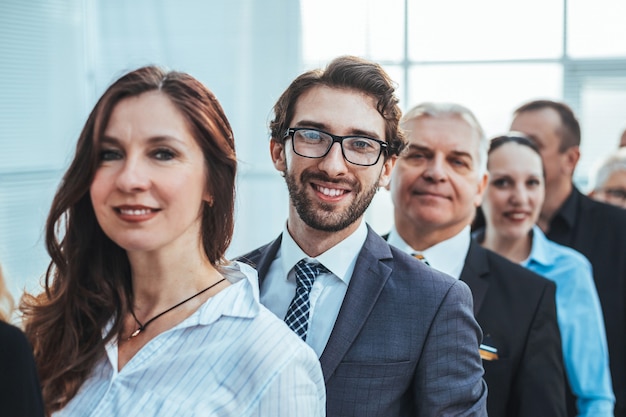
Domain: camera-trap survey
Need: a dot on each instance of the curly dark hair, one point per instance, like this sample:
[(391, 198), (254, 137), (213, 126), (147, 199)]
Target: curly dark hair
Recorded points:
[(351, 73)]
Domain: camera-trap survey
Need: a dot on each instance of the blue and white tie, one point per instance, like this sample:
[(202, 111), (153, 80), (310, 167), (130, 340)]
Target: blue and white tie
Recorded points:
[(297, 317)]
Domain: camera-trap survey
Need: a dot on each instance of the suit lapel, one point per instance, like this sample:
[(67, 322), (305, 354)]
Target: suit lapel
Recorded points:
[(368, 280), (475, 272), (262, 258)]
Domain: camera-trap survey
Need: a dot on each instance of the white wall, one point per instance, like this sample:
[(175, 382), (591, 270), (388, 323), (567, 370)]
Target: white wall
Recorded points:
[(58, 56)]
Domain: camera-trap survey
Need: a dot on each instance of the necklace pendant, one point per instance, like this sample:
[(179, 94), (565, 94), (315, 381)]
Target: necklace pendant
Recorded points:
[(142, 327)]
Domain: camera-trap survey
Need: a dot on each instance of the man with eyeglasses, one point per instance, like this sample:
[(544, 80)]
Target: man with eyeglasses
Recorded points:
[(394, 337)]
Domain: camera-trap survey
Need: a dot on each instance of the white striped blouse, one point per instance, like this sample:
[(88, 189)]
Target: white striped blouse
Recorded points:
[(232, 357)]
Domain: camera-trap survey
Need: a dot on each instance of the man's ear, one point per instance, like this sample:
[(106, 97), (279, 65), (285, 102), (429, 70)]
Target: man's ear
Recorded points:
[(277, 151), (482, 185), (385, 174), (570, 159)]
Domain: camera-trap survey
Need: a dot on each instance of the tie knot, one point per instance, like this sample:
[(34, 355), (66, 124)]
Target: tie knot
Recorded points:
[(306, 272), (420, 257)]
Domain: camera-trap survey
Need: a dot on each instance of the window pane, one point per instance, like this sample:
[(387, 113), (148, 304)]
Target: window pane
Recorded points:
[(602, 120), (386, 26), (492, 91), (485, 29), (596, 28), (367, 28), (396, 73), (42, 83)]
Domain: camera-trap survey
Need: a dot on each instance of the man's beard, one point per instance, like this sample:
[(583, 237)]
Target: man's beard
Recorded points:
[(323, 216)]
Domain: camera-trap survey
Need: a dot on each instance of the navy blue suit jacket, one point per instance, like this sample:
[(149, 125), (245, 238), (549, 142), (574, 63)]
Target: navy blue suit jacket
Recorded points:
[(405, 340)]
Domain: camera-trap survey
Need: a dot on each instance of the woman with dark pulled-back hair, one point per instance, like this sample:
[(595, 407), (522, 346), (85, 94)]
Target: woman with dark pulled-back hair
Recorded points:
[(141, 313), (511, 207)]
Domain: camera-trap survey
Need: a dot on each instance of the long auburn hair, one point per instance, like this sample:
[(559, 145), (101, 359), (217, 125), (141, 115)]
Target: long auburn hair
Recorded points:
[(88, 282)]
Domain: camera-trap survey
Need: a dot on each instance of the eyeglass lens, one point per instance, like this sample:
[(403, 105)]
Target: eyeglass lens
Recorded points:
[(357, 150)]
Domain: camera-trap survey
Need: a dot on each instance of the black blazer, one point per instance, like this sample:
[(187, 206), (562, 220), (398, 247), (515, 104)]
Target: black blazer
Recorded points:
[(598, 231), (516, 309), (405, 340), (20, 393)]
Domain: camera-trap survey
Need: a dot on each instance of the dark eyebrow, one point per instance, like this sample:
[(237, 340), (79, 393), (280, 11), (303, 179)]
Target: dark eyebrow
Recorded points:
[(413, 147), (462, 154), (324, 127), (155, 140), (500, 175), (459, 154)]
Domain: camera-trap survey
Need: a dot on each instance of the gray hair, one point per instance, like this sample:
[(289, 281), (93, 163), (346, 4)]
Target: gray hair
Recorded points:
[(615, 162), (444, 109)]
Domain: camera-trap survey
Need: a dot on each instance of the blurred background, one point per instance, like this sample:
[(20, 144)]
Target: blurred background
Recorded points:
[(58, 56)]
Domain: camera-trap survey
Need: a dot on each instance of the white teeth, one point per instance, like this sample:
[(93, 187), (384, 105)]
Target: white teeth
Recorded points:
[(138, 212), (331, 192), (517, 216)]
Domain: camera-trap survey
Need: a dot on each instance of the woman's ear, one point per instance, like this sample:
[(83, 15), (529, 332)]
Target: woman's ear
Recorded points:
[(208, 198)]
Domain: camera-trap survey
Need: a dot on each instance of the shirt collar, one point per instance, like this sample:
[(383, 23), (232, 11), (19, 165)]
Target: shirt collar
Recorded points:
[(539, 249), (396, 240), (339, 259), (240, 299), (568, 209), (444, 256)]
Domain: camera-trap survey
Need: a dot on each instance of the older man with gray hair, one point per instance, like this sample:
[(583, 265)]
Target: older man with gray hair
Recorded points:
[(608, 181), (436, 186)]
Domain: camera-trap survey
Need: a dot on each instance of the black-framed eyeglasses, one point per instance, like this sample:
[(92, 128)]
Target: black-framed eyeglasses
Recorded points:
[(314, 143)]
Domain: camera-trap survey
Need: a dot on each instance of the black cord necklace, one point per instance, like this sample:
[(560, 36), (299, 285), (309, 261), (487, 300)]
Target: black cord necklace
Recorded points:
[(142, 327)]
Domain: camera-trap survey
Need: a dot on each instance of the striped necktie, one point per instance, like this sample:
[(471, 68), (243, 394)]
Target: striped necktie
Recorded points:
[(297, 317)]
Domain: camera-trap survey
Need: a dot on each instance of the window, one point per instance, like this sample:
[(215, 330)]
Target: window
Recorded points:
[(41, 105), (490, 55)]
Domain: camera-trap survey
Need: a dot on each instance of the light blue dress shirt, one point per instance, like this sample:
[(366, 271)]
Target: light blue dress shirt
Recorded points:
[(232, 357), (579, 315), (328, 291)]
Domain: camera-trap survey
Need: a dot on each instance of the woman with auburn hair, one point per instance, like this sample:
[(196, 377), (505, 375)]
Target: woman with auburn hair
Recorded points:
[(20, 393), (141, 313), (511, 207)]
